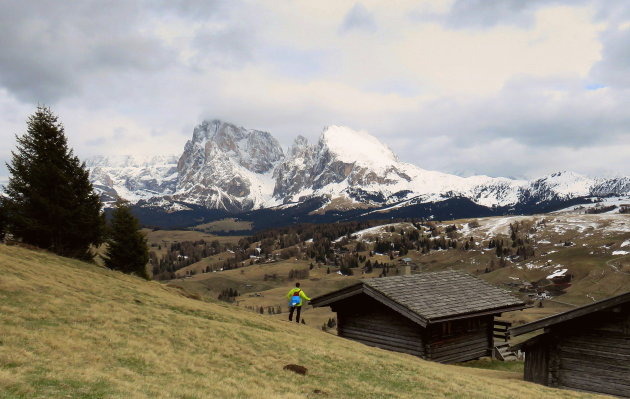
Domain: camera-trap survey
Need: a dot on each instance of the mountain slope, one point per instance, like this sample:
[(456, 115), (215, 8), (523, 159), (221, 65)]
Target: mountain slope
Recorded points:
[(229, 168), (133, 178), (71, 329)]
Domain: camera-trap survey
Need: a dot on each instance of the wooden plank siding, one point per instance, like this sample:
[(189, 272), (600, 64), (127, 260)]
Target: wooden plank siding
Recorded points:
[(591, 353), (537, 365), (596, 358), (366, 320), (460, 340)]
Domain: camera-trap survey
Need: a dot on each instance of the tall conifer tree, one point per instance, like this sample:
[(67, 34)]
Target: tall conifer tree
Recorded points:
[(127, 249), (50, 201), (3, 220)]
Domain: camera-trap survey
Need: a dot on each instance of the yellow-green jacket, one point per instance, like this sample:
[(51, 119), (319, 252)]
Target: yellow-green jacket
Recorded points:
[(302, 295)]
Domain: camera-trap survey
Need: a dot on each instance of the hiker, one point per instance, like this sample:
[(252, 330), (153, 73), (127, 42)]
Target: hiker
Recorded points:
[(295, 301)]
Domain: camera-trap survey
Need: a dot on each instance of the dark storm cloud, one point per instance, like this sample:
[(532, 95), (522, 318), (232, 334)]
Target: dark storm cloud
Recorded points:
[(47, 51), (359, 19)]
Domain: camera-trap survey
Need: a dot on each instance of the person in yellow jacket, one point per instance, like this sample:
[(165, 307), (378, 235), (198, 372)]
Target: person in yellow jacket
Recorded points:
[(295, 297)]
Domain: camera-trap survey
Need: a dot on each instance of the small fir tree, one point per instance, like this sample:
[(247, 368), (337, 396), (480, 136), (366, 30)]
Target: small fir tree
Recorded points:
[(127, 249), (50, 202)]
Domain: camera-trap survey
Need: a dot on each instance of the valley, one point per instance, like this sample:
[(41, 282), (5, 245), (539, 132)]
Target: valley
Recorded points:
[(575, 259)]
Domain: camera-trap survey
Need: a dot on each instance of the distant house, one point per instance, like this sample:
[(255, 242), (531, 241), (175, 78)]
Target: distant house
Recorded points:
[(586, 348), (443, 316)]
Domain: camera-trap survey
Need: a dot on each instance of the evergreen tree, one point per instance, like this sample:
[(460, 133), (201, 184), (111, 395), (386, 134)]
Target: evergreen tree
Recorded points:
[(50, 201), (3, 220), (127, 249)]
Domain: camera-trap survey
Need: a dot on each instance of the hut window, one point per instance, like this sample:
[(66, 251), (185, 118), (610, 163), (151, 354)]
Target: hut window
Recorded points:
[(447, 328)]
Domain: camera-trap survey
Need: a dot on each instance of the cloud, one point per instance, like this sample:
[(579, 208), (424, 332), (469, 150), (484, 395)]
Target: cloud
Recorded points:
[(488, 14), (615, 62), (358, 19), (498, 88), (481, 14), (47, 52), (226, 47)]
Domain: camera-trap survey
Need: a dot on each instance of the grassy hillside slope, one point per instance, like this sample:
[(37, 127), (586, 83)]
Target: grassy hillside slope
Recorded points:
[(71, 329)]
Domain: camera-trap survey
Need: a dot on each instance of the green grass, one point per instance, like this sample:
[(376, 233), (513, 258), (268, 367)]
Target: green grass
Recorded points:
[(106, 335), (492, 364), (224, 225)]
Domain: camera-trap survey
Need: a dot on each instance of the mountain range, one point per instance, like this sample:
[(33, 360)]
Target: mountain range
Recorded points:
[(227, 169)]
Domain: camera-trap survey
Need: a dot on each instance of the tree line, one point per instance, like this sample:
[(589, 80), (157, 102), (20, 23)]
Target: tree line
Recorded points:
[(181, 254)]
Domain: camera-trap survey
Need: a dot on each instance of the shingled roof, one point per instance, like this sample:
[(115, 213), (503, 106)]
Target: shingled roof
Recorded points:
[(431, 297), (569, 315)]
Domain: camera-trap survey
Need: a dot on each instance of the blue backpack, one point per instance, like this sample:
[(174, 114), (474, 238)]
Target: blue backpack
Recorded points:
[(295, 299)]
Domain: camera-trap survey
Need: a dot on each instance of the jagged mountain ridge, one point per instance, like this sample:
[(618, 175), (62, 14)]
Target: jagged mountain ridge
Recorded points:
[(233, 169)]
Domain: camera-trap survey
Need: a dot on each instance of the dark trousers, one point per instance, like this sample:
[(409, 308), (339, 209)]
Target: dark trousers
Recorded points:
[(297, 317)]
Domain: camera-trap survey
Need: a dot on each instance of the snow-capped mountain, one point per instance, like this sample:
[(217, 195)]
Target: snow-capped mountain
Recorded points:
[(357, 166), (228, 167), (231, 168), (133, 178)]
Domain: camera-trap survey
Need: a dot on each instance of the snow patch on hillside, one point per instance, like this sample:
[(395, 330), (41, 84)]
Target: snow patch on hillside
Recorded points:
[(557, 273)]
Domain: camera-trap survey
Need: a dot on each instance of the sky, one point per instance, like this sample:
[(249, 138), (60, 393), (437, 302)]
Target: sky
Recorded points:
[(501, 88)]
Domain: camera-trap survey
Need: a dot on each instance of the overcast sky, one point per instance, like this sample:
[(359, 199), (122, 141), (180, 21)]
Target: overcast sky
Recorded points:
[(503, 88)]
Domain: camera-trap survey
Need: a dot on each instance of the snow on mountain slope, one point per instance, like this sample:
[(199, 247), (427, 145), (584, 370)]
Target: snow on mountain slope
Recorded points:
[(133, 178), (232, 168), (228, 167), (356, 165), (358, 147)]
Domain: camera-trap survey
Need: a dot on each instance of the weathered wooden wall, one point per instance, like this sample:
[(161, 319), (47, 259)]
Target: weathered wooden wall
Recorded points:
[(590, 354), (460, 340), (537, 363), (597, 357), (363, 319)]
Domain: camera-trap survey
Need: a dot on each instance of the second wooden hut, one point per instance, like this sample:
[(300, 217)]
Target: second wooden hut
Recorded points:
[(443, 316)]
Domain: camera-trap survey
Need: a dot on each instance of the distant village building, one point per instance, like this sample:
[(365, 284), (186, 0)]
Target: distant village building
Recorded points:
[(586, 348), (443, 316), (403, 270)]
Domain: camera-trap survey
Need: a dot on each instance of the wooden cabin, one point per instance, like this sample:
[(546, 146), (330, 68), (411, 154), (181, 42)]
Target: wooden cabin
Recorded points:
[(586, 348), (443, 316)]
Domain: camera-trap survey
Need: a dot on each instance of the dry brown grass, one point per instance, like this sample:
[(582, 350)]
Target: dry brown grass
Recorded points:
[(224, 225), (74, 330)]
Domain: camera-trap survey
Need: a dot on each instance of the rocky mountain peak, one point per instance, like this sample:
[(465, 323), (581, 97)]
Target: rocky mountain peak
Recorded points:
[(224, 166), (300, 145)]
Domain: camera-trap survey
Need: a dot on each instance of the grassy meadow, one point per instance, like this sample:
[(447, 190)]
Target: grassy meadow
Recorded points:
[(69, 329), (597, 272)]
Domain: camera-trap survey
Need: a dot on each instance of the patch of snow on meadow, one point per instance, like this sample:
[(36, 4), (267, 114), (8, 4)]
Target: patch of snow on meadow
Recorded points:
[(620, 253), (378, 230), (557, 273)]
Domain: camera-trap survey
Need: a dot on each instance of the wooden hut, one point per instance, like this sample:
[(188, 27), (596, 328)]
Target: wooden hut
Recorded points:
[(443, 316), (586, 348)]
